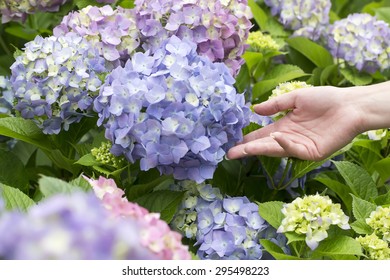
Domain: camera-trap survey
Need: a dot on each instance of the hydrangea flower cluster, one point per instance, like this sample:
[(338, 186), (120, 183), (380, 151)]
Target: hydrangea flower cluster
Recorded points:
[(17, 10), (73, 226), (174, 110), (113, 32), (103, 155), (365, 33), (219, 28), (55, 79), (284, 88), (262, 43), (374, 247), (224, 227), (307, 18), (155, 234), (379, 220), (312, 215), (6, 96)]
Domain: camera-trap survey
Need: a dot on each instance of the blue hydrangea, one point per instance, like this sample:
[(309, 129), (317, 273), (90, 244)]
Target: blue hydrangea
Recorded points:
[(6, 96), (73, 226), (173, 110), (223, 227), (365, 33), (307, 18), (55, 80)]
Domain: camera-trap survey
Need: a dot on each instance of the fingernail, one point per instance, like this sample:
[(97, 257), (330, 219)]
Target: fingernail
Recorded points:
[(272, 135)]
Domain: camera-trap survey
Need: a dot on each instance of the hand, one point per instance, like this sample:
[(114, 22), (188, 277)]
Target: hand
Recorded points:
[(322, 120)]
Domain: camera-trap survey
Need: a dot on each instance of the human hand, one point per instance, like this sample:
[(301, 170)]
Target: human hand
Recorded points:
[(321, 121)]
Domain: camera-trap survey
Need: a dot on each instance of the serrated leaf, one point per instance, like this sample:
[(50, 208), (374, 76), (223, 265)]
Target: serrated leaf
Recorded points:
[(13, 172), (15, 199), (294, 237), (383, 199), (361, 209), (358, 179), (81, 183), (313, 51), (271, 212), (356, 78), (276, 251), (164, 202), (361, 227), (51, 186), (339, 246)]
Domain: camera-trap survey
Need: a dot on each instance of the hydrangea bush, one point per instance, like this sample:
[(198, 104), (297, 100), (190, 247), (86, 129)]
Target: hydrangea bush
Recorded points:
[(139, 101)]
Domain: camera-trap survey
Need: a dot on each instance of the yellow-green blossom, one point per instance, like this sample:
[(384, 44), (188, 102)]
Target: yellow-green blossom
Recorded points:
[(260, 42), (379, 220), (284, 88), (103, 155), (312, 216), (374, 247)]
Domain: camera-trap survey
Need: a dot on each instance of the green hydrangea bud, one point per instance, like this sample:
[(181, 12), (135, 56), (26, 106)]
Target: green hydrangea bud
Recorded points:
[(103, 155), (377, 134), (374, 247), (284, 88), (262, 43), (312, 216), (379, 220)]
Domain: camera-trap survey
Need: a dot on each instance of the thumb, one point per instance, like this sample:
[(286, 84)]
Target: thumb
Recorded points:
[(275, 105)]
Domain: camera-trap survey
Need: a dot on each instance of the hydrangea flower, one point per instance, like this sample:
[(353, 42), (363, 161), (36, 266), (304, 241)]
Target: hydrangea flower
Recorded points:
[(219, 28), (365, 33), (174, 110), (312, 216), (73, 226), (55, 80), (262, 43), (377, 134), (307, 18), (6, 96), (155, 233), (113, 32), (17, 10), (284, 88), (374, 247), (379, 220), (103, 155)]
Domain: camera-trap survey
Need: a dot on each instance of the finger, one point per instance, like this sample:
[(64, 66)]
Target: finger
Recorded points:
[(292, 148), (265, 146), (277, 104), (258, 134)]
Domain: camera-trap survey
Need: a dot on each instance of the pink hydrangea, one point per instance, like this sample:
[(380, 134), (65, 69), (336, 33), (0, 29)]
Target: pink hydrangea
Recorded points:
[(156, 235)]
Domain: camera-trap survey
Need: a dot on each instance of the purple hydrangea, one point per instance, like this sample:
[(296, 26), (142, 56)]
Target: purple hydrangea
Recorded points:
[(362, 32), (17, 10), (73, 226), (219, 28), (174, 110), (307, 18), (6, 96), (54, 80), (113, 32)]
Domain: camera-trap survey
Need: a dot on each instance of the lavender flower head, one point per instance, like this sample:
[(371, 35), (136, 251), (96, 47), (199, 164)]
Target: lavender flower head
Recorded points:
[(174, 110), (17, 10), (113, 32), (73, 226), (219, 28), (307, 18), (54, 80), (365, 33), (6, 96)]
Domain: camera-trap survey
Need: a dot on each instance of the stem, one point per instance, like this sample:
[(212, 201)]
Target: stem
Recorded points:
[(285, 171), (4, 46)]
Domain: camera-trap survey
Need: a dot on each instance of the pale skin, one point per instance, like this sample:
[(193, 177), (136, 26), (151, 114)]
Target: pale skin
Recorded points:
[(322, 120)]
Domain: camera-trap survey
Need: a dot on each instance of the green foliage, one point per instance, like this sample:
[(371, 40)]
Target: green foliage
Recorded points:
[(271, 212), (338, 246), (15, 199)]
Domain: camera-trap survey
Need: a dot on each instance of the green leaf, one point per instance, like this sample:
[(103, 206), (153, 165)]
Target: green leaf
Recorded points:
[(139, 190), (383, 199), (361, 208), (358, 179), (259, 15), (84, 3), (271, 212), (279, 74), (252, 59), (302, 167), (127, 4), (356, 78), (50, 186), (314, 52), (24, 130), (88, 160), (81, 183), (276, 251), (13, 172), (19, 31), (361, 227), (338, 246), (15, 199), (383, 14), (164, 202), (294, 237), (383, 168)]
